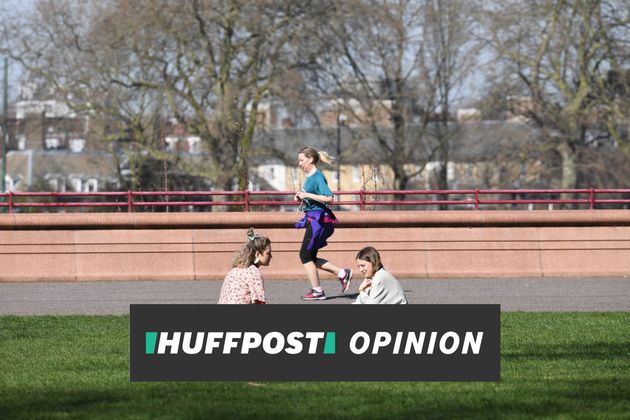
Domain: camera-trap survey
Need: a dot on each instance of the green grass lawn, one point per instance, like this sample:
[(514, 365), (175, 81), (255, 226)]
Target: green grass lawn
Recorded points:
[(554, 365)]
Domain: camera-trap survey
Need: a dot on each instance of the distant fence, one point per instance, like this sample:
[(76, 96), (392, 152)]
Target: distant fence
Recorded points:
[(362, 200)]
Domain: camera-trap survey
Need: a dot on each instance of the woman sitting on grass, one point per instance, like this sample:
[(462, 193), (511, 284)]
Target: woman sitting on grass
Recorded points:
[(378, 286), (244, 283)]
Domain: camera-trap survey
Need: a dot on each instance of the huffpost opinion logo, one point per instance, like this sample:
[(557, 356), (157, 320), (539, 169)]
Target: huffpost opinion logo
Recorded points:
[(315, 342), (297, 342)]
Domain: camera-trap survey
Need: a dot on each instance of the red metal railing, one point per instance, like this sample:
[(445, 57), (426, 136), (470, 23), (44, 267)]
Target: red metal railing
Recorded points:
[(283, 200)]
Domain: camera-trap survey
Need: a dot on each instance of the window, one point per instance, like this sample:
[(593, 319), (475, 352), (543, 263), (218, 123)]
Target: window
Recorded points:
[(76, 184), (54, 184), (91, 185), (450, 171), (334, 177), (8, 184), (186, 144), (171, 143), (194, 144), (48, 110), (356, 174), (53, 143), (77, 145), (57, 182)]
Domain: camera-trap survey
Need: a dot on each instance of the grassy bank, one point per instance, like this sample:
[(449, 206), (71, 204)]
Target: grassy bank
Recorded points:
[(569, 365)]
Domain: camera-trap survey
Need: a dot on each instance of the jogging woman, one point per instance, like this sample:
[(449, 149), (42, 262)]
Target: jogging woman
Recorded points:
[(318, 222)]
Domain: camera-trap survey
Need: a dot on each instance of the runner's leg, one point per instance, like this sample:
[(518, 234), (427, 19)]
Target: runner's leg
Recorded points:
[(308, 258)]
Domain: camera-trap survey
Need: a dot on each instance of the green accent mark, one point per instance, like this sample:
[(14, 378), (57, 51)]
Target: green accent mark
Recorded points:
[(151, 338), (329, 346)]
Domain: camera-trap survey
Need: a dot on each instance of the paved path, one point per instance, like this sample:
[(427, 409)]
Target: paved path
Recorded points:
[(524, 294)]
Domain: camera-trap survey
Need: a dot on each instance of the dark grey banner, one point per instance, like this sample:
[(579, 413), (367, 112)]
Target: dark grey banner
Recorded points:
[(315, 342)]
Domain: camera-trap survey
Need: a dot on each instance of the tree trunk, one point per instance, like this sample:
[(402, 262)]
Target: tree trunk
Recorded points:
[(569, 171)]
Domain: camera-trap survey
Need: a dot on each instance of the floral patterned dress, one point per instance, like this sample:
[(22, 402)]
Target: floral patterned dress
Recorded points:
[(243, 286)]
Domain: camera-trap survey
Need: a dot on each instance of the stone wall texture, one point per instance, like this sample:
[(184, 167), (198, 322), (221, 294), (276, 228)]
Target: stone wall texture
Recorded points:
[(413, 244)]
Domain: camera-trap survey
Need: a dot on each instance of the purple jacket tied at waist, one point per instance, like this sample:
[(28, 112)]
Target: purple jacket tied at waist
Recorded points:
[(322, 224)]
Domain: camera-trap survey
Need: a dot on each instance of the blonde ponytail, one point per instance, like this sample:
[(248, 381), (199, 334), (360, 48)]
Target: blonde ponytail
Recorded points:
[(312, 153), (326, 158)]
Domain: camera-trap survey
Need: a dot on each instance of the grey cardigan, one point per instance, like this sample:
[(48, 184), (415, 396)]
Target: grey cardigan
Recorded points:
[(385, 289)]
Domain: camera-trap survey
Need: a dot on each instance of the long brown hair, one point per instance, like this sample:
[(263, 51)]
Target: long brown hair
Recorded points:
[(247, 254), (370, 254), (322, 156)]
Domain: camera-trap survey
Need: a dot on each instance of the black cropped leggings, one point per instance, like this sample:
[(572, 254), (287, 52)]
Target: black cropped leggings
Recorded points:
[(306, 255)]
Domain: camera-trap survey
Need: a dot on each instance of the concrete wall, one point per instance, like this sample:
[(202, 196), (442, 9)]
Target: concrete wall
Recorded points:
[(424, 244)]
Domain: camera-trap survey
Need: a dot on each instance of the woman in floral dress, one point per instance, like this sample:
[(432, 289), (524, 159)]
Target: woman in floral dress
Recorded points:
[(244, 283)]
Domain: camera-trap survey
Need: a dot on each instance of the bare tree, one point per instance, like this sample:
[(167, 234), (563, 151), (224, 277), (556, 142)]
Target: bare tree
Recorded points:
[(392, 67), (207, 62), (63, 47), (558, 55), (452, 50)]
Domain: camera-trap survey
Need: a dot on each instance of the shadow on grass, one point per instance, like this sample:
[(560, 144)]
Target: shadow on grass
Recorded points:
[(569, 352), (533, 398)]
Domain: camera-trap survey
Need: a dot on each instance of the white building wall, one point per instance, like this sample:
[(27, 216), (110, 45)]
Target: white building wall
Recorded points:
[(274, 174)]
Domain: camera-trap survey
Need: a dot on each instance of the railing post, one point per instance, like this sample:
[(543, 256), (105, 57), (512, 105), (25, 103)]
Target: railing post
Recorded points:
[(476, 199), (10, 201), (591, 199), (246, 200), (129, 201)]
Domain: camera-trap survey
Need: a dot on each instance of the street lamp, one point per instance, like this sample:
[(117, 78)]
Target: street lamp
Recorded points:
[(5, 125), (341, 120)]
